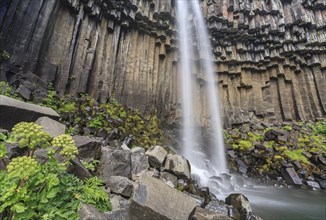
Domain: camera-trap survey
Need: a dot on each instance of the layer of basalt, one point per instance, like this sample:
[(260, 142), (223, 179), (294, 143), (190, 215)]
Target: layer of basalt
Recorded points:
[(105, 48), (269, 55)]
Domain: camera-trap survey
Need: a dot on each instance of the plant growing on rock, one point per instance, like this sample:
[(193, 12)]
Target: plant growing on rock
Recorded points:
[(33, 190)]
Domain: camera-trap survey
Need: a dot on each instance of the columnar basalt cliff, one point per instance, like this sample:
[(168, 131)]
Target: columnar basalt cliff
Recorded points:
[(270, 55)]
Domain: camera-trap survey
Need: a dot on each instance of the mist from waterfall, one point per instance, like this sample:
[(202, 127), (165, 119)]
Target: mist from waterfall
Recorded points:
[(193, 36)]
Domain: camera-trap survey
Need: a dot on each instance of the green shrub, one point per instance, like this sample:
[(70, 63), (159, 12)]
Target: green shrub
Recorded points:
[(287, 128), (31, 190)]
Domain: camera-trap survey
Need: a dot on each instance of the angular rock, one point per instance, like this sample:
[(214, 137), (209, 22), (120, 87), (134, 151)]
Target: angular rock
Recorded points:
[(322, 184), (177, 165), (88, 148), (149, 202), (23, 112), (120, 185), (203, 214), (78, 169), (199, 200), (53, 127), (139, 162), (168, 177), (313, 184), (291, 177), (240, 202), (217, 207), (89, 212), (114, 163), (156, 156), (120, 214)]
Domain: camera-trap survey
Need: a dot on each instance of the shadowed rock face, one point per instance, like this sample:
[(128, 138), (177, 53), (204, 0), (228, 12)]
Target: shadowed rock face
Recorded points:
[(269, 55)]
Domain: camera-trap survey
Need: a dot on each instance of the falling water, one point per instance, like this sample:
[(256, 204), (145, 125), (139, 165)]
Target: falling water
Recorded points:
[(205, 162)]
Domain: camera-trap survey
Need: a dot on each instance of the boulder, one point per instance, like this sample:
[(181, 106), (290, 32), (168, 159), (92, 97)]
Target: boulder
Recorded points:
[(313, 184), (156, 156), (322, 184), (199, 200), (240, 202), (203, 214), (53, 127), (120, 214), (291, 177), (177, 165), (23, 112), (114, 163), (120, 185), (88, 212), (155, 200), (139, 162), (88, 148), (217, 207)]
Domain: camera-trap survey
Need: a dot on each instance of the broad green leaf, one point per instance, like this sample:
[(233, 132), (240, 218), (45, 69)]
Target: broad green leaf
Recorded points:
[(19, 208)]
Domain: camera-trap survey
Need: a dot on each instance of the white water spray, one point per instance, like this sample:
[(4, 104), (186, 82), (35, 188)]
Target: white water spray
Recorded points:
[(205, 162)]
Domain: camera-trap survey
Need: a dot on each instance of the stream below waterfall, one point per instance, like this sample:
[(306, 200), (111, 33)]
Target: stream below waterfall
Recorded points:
[(286, 204)]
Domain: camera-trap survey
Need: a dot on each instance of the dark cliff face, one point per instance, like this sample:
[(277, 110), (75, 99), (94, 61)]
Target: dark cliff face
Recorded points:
[(270, 55)]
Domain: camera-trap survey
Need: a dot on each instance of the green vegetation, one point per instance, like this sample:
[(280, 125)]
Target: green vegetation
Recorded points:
[(33, 190), (320, 128), (5, 55), (287, 128), (92, 165), (269, 144), (242, 145), (296, 155)]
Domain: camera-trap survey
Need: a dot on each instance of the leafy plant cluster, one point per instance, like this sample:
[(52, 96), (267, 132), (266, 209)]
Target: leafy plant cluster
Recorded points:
[(7, 90), (84, 115), (33, 190)]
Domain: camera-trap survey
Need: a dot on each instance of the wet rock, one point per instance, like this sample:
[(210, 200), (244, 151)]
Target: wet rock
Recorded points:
[(23, 112), (139, 162), (156, 156), (149, 202), (199, 200), (53, 127), (313, 184), (177, 165), (89, 212), (231, 153), (217, 207), (120, 185), (203, 214), (88, 148), (291, 177), (114, 163), (241, 203), (233, 212), (322, 184), (243, 168)]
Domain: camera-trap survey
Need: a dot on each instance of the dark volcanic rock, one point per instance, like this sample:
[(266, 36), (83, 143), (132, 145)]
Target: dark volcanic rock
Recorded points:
[(23, 112), (291, 177), (114, 163)]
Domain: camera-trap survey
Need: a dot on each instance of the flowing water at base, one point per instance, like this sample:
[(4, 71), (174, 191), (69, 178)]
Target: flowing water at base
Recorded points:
[(286, 204)]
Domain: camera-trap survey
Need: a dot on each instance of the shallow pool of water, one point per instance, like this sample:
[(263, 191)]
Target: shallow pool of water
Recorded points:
[(287, 204)]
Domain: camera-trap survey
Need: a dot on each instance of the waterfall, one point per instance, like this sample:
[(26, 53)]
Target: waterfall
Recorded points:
[(194, 40)]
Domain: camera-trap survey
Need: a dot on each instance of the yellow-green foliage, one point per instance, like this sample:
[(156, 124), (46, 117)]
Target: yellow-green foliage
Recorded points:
[(31, 135), (287, 128), (295, 155), (320, 128), (255, 137), (31, 190), (269, 144), (242, 145)]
